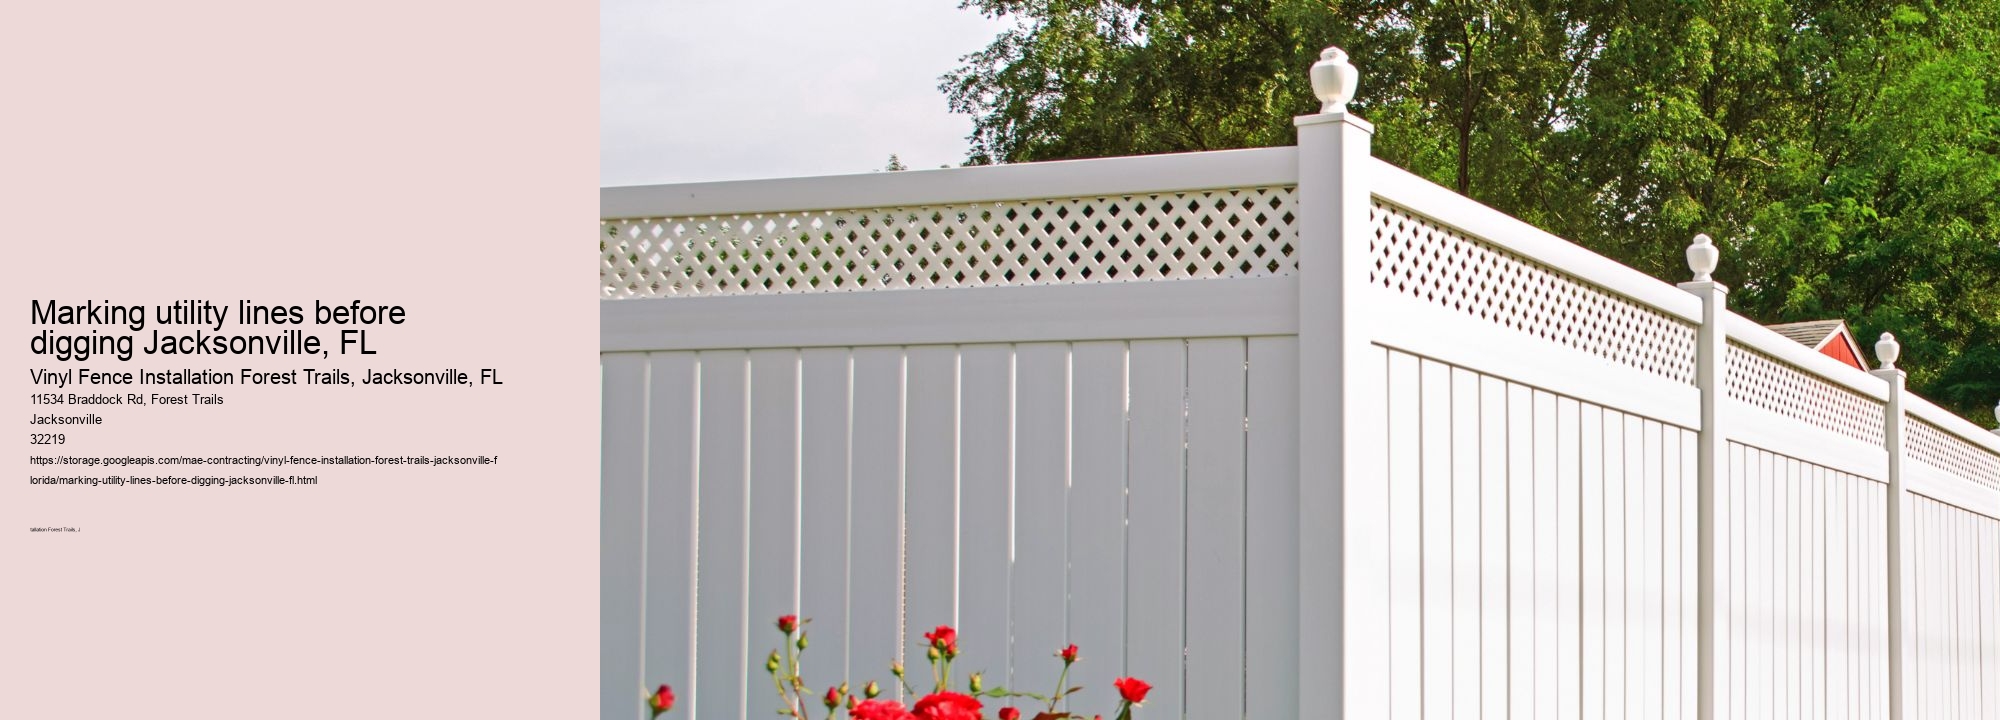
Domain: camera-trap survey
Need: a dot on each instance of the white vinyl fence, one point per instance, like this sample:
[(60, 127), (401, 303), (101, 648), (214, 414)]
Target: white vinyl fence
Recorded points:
[(1285, 432)]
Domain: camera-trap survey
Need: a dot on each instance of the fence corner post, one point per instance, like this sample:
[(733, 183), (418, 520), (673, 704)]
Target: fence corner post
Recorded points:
[(1711, 377), (1337, 493), (1900, 552)]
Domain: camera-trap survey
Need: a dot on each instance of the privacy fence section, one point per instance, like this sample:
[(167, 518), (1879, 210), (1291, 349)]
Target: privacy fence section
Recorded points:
[(1285, 432)]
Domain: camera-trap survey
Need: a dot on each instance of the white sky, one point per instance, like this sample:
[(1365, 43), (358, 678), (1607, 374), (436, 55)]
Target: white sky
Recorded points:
[(695, 90)]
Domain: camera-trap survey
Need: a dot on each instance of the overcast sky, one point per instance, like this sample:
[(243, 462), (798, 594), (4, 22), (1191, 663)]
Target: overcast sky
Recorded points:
[(694, 90)]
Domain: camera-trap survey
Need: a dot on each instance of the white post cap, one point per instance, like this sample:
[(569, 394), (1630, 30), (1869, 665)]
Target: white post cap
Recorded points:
[(1702, 257), (1887, 350), (1333, 80)]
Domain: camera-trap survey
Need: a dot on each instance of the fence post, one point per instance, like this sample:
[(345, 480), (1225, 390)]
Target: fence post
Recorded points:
[(1901, 620), (1711, 376), (1343, 504)]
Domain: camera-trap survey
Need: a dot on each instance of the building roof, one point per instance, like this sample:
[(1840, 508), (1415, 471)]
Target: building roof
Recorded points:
[(1811, 333), (1830, 337)]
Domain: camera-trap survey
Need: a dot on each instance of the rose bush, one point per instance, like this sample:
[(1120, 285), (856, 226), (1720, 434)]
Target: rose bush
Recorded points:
[(941, 703)]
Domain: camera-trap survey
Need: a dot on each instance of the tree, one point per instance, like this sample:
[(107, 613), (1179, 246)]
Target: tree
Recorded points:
[(1845, 155)]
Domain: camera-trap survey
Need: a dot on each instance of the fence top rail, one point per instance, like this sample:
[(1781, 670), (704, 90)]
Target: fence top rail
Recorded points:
[(1120, 176), (1407, 190)]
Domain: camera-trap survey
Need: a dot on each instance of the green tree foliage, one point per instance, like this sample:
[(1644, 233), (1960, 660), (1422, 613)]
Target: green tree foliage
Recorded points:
[(1845, 154)]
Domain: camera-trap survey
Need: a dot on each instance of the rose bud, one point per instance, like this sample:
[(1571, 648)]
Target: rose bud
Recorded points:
[(771, 663), (661, 700), (1068, 654), (788, 624), (978, 682), (802, 641), (896, 668), (931, 653), (871, 689), (1132, 689), (1008, 713), (832, 698), (851, 704)]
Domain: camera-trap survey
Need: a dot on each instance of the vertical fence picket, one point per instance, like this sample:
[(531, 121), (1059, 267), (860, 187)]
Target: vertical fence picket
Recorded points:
[(1096, 608), (1546, 560), (1730, 554), (622, 529), (875, 555), (671, 430), (1406, 603), (1155, 531), (1691, 590), (825, 377), (1569, 559), (1591, 496), (1041, 524), (986, 476), (1465, 516), (931, 494), (1271, 581), (1520, 551), (1215, 527), (1617, 568), (774, 510), (724, 487), (1493, 528), (1435, 550), (1838, 584), (1671, 589)]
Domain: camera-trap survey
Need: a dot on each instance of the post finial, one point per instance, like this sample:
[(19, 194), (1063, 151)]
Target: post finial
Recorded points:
[(1887, 350), (1702, 257), (1333, 80)]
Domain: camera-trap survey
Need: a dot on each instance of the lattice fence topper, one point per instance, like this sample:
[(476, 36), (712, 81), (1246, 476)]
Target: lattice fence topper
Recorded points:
[(1948, 452), (1197, 234), (1417, 257), (1766, 382)]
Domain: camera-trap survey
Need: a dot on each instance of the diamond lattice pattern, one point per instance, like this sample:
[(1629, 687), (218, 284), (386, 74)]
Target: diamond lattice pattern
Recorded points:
[(1947, 452), (1417, 257), (1199, 234), (1766, 382)]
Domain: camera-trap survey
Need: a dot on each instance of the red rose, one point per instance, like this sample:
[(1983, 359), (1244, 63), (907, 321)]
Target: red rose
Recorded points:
[(1068, 654), (944, 639), (788, 624), (947, 706), (832, 697), (880, 710), (1007, 713), (662, 700), (1132, 689)]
